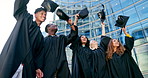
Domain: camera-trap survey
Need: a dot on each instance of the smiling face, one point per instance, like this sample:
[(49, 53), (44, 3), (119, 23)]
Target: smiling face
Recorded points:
[(115, 42), (83, 39), (40, 16)]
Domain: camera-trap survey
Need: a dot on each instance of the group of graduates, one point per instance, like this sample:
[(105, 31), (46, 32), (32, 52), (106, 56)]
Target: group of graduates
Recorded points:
[(46, 57)]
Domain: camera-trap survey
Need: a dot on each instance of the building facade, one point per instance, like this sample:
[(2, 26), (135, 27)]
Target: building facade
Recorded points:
[(137, 25)]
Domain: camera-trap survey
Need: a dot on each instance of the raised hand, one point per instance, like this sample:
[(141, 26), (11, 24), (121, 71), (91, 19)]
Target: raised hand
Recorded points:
[(124, 30), (76, 19), (69, 22)]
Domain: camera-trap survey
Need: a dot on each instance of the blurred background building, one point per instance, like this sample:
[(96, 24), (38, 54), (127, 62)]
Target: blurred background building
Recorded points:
[(137, 25)]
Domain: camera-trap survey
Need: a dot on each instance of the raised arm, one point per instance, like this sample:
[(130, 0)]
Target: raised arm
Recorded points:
[(74, 30), (103, 29), (129, 40), (20, 8), (75, 22), (104, 39)]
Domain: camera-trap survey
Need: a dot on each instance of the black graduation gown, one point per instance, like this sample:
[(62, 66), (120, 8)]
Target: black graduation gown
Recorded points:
[(81, 60), (124, 66), (99, 63), (55, 61), (23, 45)]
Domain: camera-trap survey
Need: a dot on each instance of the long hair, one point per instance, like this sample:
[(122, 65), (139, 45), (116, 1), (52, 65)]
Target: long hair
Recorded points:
[(110, 50), (80, 43)]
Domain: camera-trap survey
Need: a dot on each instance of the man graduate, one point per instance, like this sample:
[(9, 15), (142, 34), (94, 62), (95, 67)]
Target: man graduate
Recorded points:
[(54, 58), (24, 43)]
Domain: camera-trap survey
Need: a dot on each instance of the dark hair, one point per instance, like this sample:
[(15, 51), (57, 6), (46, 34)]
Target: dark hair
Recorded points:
[(48, 25), (80, 43), (46, 28), (40, 9)]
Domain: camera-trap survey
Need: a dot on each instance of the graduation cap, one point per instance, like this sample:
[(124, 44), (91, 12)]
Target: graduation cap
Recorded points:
[(49, 5), (83, 13), (101, 14), (121, 21), (62, 15)]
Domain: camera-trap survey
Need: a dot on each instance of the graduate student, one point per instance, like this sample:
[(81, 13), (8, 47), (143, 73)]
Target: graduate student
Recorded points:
[(25, 42), (82, 58), (54, 58), (120, 61), (99, 65)]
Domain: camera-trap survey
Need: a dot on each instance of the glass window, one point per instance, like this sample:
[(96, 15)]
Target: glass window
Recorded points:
[(145, 26), (136, 0), (146, 30), (122, 39), (67, 26), (126, 3), (108, 9), (84, 32), (111, 22), (93, 33), (142, 10), (99, 31), (133, 17), (115, 5), (106, 29), (67, 32), (87, 33), (133, 28), (138, 35), (94, 3)]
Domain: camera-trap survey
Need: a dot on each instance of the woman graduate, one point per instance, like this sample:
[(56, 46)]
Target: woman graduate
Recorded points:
[(81, 59), (99, 63), (120, 62)]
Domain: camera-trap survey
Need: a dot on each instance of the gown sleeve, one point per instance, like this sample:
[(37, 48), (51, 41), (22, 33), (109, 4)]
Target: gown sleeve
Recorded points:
[(39, 62), (104, 42), (20, 8), (75, 43), (129, 43), (40, 56), (72, 36)]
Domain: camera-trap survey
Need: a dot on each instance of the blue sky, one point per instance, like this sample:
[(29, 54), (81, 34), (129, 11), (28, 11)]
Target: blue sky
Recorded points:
[(7, 21)]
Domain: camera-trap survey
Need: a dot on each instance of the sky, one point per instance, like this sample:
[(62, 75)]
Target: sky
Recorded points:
[(7, 21)]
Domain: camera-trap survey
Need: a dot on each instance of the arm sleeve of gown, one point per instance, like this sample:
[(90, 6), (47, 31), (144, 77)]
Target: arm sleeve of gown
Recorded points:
[(39, 59), (104, 42), (129, 43), (20, 8), (75, 43), (72, 36)]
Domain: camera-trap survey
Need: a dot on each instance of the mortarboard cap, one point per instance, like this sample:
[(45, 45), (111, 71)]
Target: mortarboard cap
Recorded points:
[(49, 5), (62, 15), (101, 14), (121, 21), (83, 13)]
